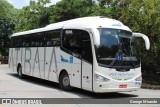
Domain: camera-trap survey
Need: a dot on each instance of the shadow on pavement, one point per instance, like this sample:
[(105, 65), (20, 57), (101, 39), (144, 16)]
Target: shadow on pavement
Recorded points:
[(80, 92)]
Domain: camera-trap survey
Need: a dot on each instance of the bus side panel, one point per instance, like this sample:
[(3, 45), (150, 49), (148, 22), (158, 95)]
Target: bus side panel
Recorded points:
[(11, 60), (63, 63), (76, 71), (33, 62), (26, 61), (38, 62), (18, 56), (70, 64), (50, 64), (41, 62)]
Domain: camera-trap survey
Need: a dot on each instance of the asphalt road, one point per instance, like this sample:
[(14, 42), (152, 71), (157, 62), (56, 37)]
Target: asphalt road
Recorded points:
[(13, 87)]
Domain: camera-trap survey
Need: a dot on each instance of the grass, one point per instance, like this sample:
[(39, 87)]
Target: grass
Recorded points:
[(150, 86)]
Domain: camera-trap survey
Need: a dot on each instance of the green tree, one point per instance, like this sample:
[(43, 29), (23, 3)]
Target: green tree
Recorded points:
[(34, 16), (70, 9), (7, 15), (7, 10), (6, 29), (104, 3), (144, 17)]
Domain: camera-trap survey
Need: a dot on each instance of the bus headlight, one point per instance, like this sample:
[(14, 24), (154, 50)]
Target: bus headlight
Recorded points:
[(138, 78), (100, 78)]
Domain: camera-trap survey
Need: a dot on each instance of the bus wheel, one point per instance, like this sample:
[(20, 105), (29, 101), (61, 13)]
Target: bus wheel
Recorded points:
[(64, 81), (20, 75)]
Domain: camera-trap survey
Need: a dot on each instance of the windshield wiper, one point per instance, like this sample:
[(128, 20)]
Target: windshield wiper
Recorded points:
[(112, 63)]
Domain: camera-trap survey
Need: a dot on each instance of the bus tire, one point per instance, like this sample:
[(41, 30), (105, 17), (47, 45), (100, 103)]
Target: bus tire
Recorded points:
[(19, 70), (64, 81)]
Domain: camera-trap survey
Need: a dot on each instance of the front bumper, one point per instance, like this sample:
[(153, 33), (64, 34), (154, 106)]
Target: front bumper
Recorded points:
[(102, 87)]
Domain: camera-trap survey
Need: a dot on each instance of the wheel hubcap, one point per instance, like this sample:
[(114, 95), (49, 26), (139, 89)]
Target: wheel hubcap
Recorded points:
[(19, 72), (66, 81)]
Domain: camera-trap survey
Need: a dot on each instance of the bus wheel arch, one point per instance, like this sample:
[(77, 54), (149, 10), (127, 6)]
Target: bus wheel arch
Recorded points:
[(64, 80), (19, 71)]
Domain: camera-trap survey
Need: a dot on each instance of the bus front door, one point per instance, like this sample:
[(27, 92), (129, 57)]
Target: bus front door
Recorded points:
[(87, 62)]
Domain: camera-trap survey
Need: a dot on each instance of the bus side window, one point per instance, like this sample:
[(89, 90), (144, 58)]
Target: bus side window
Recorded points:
[(37, 40), (86, 47), (26, 40), (53, 38), (71, 40), (13, 42), (19, 41), (16, 42)]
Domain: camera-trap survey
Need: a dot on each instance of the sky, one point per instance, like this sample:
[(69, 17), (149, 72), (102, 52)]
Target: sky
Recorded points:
[(20, 3)]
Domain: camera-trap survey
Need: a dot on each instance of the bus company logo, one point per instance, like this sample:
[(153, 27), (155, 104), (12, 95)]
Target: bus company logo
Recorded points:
[(71, 59), (63, 59), (117, 24), (121, 74), (66, 60), (68, 32)]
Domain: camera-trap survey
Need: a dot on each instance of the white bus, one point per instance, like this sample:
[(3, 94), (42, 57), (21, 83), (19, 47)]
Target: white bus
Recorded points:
[(97, 54)]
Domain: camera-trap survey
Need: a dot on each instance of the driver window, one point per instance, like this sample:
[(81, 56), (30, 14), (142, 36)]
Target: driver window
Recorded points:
[(71, 40)]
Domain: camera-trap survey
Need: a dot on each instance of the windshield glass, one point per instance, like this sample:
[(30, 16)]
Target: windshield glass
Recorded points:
[(116, 49)]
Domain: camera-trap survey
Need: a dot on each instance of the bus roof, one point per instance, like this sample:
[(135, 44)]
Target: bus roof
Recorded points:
[(80, 23)]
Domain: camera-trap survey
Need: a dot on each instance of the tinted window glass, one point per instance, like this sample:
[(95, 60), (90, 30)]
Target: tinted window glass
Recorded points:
[(53, 38), (16, 41), (37, 40), (71, 40), (26, 41), (116, 49), (78, 42), (86, 47), (13, 41)]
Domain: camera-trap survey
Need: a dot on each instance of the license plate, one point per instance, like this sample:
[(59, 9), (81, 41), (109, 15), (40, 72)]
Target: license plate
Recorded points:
[(123, 86)]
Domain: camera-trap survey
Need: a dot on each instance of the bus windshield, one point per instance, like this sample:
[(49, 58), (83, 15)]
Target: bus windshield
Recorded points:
[(117, 49)]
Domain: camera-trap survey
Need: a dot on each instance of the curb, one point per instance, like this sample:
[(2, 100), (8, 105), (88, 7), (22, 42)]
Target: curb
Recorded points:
[(148, 86)]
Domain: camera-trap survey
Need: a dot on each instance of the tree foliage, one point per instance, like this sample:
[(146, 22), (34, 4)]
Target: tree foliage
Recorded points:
[(34, 16), (38, 15), (144, 17), (7, 15), (7, 10), (6, 29)]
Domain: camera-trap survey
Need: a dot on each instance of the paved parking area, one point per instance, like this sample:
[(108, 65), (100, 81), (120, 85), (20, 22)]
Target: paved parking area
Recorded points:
[(13, 87)]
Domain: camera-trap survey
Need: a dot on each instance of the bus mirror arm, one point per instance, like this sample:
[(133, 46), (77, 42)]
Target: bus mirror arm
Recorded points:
[(145, 38)]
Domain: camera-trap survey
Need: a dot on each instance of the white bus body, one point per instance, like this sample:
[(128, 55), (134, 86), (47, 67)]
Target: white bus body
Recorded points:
[(92, 53)]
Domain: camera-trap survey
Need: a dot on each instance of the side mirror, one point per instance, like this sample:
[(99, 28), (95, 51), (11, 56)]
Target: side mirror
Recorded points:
[(145, 38), (96, 37)]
